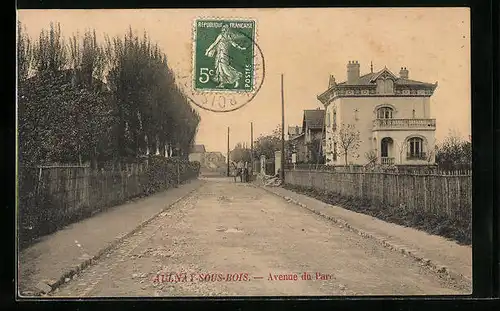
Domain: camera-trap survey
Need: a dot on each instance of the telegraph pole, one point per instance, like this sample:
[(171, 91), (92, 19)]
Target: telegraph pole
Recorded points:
[(282, 171), (251, 144), (228, 151)]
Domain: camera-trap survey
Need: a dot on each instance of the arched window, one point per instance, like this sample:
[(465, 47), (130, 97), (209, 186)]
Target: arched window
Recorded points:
[(384, 113), (416, 148)]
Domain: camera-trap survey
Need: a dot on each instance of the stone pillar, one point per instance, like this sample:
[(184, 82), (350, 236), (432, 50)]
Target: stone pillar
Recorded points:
[(263, 165)]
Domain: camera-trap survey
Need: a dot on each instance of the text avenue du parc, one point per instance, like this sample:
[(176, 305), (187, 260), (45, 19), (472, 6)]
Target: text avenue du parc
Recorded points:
[(176, 277)]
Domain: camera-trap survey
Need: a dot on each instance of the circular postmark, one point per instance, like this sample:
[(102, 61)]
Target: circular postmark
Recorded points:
[(227, 69)]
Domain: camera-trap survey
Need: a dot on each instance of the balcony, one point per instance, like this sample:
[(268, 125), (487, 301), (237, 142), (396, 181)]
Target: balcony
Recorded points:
[(416, 156), (386, 161), (403, 124)]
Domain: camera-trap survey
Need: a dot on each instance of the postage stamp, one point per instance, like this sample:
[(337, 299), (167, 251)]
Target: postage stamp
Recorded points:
[(224, 56)]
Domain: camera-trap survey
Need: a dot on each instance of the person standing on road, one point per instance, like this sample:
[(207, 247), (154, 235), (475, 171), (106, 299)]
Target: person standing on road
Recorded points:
[(240, 170), (245, 172)]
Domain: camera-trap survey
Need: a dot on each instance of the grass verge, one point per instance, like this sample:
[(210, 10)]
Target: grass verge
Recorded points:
[(453, 229)]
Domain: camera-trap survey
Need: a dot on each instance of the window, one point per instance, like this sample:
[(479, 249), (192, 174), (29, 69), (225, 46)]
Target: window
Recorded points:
[(327, 119), (384, 113), (334, 151), (386, 147), (415, 148)]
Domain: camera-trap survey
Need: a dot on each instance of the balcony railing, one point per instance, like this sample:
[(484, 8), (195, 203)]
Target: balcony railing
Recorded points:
[(382, 124), (386, 161), (416, 156)]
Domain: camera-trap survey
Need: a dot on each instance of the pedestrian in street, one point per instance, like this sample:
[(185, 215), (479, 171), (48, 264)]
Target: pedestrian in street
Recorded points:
[(235, 171), (240, 170), (245, 172)]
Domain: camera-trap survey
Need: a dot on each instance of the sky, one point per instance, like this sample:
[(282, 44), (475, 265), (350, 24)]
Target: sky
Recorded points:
[(306, 45)]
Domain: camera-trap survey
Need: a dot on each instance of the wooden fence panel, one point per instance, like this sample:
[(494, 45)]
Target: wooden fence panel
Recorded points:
[(52, 195), (446, 195)]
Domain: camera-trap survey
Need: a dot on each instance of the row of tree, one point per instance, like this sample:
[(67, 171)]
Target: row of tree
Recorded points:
[(453, 153), (83, 100)]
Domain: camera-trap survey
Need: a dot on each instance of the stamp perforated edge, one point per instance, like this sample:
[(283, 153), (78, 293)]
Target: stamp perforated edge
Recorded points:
[(195, 91)]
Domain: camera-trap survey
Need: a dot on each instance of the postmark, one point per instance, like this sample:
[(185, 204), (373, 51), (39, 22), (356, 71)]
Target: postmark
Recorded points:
[(227, 64)]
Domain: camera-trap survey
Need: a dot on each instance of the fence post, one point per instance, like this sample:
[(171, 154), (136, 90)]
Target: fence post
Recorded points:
[(425, 192), (178, 174), (459, 203), (447, 195)]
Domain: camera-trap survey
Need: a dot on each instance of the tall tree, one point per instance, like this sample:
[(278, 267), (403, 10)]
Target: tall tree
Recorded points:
[(240, 153), (24, 53), (50, 52), (268, 144), (116, 100)]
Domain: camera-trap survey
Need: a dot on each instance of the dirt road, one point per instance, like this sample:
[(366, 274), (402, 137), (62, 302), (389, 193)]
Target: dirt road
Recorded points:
[(230, 239)]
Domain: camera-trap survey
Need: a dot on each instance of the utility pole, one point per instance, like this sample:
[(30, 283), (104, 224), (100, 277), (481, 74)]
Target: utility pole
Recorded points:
[(228, 151), (251, 144), (282, 171)]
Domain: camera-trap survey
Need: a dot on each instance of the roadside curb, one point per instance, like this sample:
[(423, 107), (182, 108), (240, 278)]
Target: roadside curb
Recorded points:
[(441, 270), (68, 275)]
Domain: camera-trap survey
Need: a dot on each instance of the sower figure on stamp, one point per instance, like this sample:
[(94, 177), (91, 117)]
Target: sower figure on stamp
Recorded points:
[(224, 72)]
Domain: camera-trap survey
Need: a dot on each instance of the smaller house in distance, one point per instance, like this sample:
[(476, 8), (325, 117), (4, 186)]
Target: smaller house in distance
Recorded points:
[(214, 160), (305, 142), (197, 153)]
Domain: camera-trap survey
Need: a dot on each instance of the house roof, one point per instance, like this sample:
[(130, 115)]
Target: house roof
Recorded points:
[(198, 149), (314, 119), (369, 79)]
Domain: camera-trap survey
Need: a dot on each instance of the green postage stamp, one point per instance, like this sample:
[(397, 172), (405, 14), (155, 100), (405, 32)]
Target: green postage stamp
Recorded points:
[(223, 57)]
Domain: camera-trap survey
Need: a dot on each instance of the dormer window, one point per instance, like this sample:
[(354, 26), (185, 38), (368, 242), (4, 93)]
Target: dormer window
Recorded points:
[(384, 113)]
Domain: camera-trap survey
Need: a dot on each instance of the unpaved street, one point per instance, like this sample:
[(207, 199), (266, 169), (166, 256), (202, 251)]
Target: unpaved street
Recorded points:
[(259, 240)]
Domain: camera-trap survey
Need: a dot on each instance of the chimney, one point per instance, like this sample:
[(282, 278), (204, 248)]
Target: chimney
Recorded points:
[(403, 73), (332, 81), (352, 72)]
